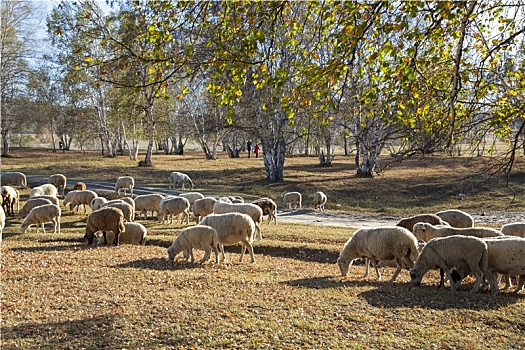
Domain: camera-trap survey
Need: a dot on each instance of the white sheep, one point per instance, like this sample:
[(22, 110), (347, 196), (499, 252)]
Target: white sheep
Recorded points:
[(174, 206), (236, 199), (148, 202), (514, 229), (253, 210), (124, 183), (13, 178), (451, 252), (10, 197), (46, 189), (426, 232), (95, 202), (319, 200), (294, 198), (203, 207), (233, 228), (127, 209), (178, 178), (83, 198), (196, 237), (105, 219), (41, 215), (269, 207), (2, 221), (224, 199), (30, 204), (409, 222), (192, 197), (134, 234), (53, 199), (59, 181), (380, 243), (456, 218)]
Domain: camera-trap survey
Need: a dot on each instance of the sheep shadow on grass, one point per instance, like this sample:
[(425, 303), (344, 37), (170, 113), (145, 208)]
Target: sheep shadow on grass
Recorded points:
[(158, 264)]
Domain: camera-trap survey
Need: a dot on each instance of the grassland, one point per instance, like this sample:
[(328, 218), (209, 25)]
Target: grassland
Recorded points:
[(57, 293)]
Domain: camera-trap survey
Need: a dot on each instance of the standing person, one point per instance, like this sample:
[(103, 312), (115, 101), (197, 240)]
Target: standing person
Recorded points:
[(181, 148), (249, 148), (256, 151)]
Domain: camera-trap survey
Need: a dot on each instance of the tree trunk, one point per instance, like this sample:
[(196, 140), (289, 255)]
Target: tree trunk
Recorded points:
[(273, 152), (5, 142)]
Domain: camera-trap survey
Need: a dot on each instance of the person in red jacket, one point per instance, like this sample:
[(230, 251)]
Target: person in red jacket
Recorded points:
[(256, 151)]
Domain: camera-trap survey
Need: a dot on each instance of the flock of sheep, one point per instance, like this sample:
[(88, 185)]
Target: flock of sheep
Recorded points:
[(446, 240)]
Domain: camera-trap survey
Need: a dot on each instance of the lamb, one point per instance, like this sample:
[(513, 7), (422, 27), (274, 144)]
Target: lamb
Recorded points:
[(13, 178), (253, 210), (81, 197), (203, 207), (42, 190), (2, 222), (409, 222), (41, 215), (10, 197), (53, 199), (146, 202), (294, 198), (505, 256), (319, 200), (59, 181), (30, 204), (426, 232), (80, 186), (198, 237), (134, 234), (233, 228), (105, 219), (69, 197), (192, 197), (124, 183), (450, 252), (268, 207), (127, 209), (456, 218), (95, 202), (174, 206), (380, 243), (177, 178), (514, 229)]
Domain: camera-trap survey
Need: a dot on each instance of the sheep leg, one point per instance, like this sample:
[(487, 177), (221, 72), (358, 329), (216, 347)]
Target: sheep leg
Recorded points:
[(221, 246), (508, 282), (105, 238), (398, 270), (519, 283), (247, 244), (207, 253), (190, 252), (43, 228), (216, 251), (258, 229), (374, 262), (367, 267)]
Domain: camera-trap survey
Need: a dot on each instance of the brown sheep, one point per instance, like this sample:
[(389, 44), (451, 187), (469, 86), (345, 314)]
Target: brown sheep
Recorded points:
[(79, 186), (105, 219), (409, 222)]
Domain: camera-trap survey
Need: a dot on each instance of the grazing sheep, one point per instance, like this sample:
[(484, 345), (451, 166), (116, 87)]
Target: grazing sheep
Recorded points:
[(134, 234), (105, 219), (253, 210), (505, 256), (380, 243), (124, 183), (456, 218), (319, 200), (177, 178), (268, 207), (2, 222), (233, 228), (30, 204), (514, 229), (42, 215), (130, 201), (53, 199), (196, 237), (451, 252), (83, 198), (148, 202), (127, 209), (59, 181), (10, 197), (426, 232), (236, 199), (69, 197), (294, 198), (174, 206), (95, 203), (80, 186), (43, 190), (409, 222), (203, 207), (192, 197), (13, 178)]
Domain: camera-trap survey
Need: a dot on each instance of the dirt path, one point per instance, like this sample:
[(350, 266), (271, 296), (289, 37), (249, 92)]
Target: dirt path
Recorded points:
[(310, 217)]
